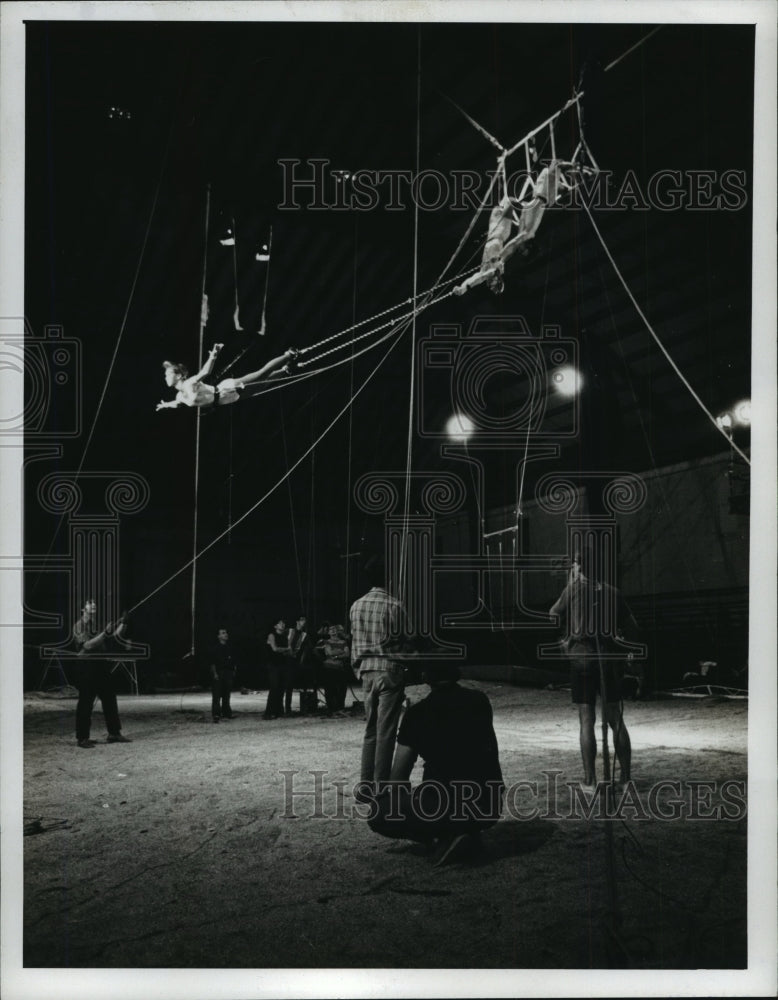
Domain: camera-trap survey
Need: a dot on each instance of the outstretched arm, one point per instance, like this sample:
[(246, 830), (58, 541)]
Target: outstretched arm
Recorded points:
[(208, 366), (170, 405)]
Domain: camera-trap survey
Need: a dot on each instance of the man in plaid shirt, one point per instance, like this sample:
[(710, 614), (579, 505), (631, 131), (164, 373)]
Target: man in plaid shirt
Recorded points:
[(378, 633)]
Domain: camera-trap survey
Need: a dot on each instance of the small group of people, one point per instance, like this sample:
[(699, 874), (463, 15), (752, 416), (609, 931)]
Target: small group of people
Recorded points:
[(296, 659), (307, 661)]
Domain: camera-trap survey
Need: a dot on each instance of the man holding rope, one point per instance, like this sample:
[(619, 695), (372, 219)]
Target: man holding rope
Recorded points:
[(94, 675)]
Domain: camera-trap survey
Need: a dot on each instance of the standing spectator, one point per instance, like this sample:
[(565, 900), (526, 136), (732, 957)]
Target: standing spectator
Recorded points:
[(291, 674), (587, 604), (301, 644), (298, 634), (222, 676), (336, 668), (93, 675), (278, 662), (377, 628)]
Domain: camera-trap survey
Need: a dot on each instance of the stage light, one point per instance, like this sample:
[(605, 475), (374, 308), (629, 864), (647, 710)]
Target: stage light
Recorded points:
[(567, 381), (460, 427), (724, 422), (262, 253), (228, 240), (741, 413)]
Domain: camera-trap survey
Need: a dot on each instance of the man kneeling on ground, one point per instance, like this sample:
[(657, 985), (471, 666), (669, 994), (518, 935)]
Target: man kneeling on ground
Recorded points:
[(462, 789)]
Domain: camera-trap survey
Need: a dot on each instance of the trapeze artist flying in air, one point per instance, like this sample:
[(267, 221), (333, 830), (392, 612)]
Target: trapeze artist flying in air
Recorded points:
[(523, 217), (193, 391), (513, 222)]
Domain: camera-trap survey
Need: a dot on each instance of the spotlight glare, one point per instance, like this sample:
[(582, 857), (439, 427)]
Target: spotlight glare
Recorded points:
[(724, 421), (742, 413), (459, 427), (567, 381)]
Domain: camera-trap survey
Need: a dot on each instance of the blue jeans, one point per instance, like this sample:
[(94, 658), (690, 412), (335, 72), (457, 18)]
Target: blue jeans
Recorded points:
[(383, 693)]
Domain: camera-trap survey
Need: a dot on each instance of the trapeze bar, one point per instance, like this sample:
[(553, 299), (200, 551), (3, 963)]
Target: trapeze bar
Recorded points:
[(573, 100), (502, 531)]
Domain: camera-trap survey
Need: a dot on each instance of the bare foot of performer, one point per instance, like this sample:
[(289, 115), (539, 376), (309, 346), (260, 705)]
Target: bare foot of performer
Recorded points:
[(193, 391)]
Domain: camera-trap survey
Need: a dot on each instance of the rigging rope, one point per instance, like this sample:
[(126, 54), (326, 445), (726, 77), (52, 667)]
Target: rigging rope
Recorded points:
[(632, 49), (291, 507), (262, 326), (203, 321), (273, 488), (122, 327), (659, 343), (130, 298), (350, 431), (411, 392), (369, 319), (236, 314), (394, 324), (428, 299)]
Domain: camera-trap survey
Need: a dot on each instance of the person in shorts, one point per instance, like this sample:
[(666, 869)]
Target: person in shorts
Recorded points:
[(583, 604)]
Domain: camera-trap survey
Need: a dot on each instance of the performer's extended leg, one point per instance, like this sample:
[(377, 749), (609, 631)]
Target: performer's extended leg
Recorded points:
[(491, 274), (271, 366)]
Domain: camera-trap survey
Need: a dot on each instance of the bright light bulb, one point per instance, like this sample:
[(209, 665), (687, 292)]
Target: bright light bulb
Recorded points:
[(742, 413), (567, 381), (460, 427)]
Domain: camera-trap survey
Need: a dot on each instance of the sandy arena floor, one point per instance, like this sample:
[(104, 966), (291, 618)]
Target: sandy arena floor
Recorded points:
[(182, 849)]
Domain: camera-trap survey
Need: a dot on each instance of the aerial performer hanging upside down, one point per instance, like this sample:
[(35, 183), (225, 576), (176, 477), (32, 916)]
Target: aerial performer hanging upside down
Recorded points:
[(193, 391), (505, 217)]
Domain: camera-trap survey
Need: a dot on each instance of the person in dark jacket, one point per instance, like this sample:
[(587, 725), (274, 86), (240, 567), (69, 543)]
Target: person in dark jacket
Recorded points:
[(222, 666), (279, 663), (462, 789)]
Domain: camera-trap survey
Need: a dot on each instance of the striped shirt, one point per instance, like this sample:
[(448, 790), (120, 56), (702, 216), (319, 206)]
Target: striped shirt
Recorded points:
[(377, 627)]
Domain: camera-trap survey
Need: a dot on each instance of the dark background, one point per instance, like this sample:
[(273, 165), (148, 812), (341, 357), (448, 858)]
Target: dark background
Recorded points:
[(116, 253)]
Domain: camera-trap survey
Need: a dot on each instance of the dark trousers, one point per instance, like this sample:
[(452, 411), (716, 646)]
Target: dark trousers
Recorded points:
[(94, 679), (432, 810), (221, 689), (290, 683), (335, 684), (276, 675)]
